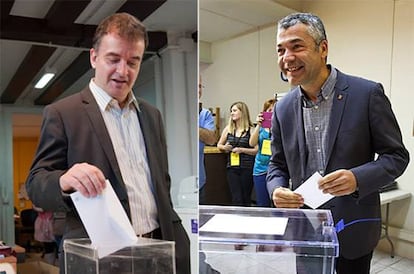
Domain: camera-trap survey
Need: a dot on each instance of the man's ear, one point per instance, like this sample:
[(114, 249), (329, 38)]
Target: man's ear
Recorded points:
[(324, 48), (92, 57)]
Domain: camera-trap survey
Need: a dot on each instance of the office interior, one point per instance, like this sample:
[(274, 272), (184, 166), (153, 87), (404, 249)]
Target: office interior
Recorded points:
[(370, 38)]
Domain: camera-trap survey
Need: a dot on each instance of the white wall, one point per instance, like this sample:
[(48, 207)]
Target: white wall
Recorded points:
[(371, 39), (243, 69), (360, 40)]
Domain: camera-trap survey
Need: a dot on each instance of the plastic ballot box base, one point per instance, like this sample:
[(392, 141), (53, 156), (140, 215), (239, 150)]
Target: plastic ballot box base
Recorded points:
[(146, 256), (267, 240)]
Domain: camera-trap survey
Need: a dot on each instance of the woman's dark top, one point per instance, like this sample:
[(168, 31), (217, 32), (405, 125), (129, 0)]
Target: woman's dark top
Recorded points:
[(246, 160)]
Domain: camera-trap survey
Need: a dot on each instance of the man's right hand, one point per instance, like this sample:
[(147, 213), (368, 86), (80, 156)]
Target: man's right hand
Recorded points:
[(286, 198), (85, 178)]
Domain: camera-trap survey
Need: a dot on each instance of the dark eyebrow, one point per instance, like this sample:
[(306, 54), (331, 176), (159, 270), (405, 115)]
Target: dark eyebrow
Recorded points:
[(293, 41)]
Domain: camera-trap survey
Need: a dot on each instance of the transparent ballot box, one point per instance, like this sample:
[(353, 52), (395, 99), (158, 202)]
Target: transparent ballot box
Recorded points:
[(146, 256), (266, 240)]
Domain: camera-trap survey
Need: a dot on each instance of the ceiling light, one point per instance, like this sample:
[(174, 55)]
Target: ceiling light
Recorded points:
[(44, 80)]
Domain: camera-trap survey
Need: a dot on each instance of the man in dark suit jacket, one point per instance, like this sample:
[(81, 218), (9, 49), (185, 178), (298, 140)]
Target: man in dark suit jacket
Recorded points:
[(86, 138), (334, 124)]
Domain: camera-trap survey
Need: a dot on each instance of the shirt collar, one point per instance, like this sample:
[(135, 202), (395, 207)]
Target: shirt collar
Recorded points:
[(104, 99), (328, 86), (326, 89)]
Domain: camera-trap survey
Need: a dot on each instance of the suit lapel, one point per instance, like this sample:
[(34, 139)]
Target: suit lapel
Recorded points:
[(148, 135), (98, 124), (337, 112), (300, 131)]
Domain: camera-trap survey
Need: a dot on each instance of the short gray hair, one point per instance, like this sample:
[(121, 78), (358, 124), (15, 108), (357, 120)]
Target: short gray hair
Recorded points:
[(316, 28)]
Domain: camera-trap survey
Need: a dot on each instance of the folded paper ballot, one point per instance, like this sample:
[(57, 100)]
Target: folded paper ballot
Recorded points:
[(105, 221), (312, 195)]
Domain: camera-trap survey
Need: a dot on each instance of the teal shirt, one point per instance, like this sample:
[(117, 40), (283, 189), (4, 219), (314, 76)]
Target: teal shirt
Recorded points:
[(261, 161)]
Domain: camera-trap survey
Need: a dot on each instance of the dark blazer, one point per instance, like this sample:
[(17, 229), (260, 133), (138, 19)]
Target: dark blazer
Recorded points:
[(73, 131), (362, 124)]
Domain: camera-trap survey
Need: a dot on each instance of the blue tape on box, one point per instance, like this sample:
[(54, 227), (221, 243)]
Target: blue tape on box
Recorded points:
[(194, 226)]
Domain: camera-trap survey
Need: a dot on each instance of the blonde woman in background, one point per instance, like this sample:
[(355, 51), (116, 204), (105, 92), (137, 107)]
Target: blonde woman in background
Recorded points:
[(235, 141), (261, 136)]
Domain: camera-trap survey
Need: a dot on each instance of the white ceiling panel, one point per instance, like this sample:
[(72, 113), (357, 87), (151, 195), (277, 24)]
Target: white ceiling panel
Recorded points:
[(97, 10), (174, 15), (31, 8), (214, 27), (223, 19)]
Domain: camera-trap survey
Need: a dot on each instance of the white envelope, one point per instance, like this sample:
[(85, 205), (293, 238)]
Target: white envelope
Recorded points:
[(105, 220)]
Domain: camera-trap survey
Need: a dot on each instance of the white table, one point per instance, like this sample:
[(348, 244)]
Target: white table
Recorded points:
[(386, 199)]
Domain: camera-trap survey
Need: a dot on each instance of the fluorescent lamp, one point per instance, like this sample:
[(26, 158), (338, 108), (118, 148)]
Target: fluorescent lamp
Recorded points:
[(44, 80)]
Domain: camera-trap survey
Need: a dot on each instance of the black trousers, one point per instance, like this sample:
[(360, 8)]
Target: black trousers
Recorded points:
[(359, 265), (240, 182)]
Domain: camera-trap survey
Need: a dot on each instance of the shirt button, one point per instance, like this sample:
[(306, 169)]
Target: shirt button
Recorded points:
[(316, 128), (318, 150), (316, 107)]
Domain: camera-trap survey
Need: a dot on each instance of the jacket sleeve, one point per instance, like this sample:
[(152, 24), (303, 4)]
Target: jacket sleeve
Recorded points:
[(49, 164), (277, 173), (392, 156)]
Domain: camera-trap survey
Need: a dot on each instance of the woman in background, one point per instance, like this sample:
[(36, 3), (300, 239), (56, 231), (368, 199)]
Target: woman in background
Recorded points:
[(261, 136), (235, 141)]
